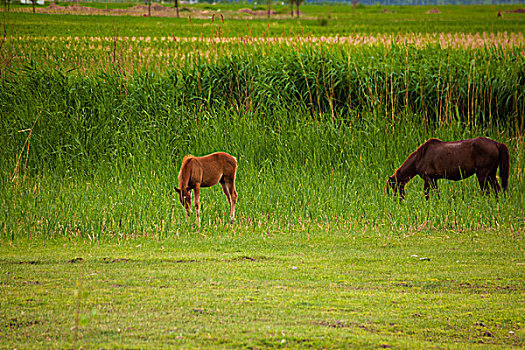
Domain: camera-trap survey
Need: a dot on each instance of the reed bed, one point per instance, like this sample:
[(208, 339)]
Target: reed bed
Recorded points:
[(438, 80)]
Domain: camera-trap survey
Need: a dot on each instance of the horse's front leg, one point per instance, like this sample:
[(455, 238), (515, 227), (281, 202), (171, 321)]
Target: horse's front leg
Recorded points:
[(430, 184), (197, 191), (434, 185), (426, 189)]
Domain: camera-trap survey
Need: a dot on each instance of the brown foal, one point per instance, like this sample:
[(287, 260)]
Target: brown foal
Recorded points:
[(206, 171)]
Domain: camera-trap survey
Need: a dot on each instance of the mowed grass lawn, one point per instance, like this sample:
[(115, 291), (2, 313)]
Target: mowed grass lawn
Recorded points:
[(318, 286)]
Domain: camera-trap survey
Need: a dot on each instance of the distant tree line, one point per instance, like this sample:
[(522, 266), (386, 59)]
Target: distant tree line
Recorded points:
[(420, 2), (350, 2), (388, 2)]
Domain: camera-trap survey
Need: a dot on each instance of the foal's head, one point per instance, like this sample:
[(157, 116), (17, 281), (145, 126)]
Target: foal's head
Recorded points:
[(184, 198), (396, 185)]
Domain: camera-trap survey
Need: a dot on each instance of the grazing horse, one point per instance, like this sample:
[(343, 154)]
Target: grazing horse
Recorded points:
[(206, 171), (455, 161)]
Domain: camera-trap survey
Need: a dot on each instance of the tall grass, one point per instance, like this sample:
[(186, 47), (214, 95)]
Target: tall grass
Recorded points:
[(316, 130), (294, 172), (312, 174)]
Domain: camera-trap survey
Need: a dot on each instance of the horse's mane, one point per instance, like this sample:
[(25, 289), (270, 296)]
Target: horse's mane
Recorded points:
[(421, 150), (185, 162), (408, 165), (429, 142), (186, 159)]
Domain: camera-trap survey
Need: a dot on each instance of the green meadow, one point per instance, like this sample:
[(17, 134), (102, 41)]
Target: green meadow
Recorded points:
[(97, 112)]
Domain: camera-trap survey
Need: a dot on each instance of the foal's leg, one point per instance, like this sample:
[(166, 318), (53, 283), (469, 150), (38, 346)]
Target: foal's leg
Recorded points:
[(226, 191), (231, 195), (197, 191), (233, 202)]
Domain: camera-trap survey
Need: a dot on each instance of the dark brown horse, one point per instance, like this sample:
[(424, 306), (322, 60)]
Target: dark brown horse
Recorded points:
[(206, 171), (456, 160)]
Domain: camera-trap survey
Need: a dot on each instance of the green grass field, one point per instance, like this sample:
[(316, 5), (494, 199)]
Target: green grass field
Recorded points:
[(321, 287), (97, 112)]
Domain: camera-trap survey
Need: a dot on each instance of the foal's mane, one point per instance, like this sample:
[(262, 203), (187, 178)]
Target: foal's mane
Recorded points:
[(186, 159), (183, 173)]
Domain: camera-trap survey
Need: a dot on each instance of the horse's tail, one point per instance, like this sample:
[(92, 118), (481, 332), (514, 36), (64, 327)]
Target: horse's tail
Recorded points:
[(504, 165)]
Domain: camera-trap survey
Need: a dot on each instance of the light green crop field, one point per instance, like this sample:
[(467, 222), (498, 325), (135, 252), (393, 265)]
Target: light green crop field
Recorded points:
[(97, 112), (316, 20)]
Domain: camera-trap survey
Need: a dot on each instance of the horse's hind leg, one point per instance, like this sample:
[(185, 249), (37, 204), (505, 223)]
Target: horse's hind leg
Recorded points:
[(495, 186), (231, 195), (483, 183), (494, 183)]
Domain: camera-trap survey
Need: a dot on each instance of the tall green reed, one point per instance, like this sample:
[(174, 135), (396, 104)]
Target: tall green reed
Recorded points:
[(316, 132)]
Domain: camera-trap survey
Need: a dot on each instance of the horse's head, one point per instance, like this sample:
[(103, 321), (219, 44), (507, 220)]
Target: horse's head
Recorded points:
[(184, 198), (397, 186)]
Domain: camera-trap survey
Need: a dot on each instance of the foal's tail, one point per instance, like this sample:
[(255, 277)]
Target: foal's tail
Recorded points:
[(504, 165)]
